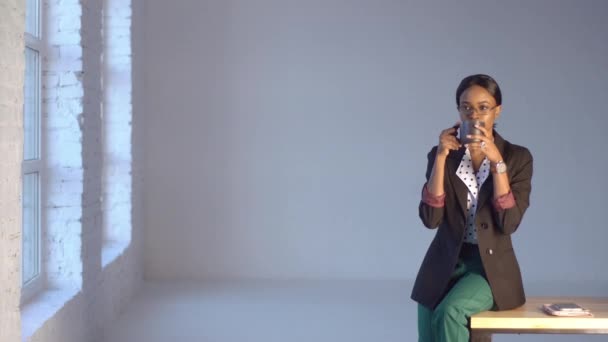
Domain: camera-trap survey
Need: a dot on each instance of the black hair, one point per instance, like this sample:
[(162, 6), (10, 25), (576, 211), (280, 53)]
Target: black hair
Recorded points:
[(484, 81)]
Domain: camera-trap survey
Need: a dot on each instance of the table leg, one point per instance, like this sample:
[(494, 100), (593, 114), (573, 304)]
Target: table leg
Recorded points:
[(480, 337)]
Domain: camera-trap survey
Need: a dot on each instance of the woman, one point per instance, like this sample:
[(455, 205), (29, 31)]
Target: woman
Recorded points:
[(476, 195)]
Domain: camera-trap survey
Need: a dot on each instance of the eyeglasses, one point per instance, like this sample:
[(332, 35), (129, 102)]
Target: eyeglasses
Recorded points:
[(469, 110)]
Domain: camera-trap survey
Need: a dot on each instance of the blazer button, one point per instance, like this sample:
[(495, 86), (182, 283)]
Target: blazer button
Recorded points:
[(484, 225), (489, 251)]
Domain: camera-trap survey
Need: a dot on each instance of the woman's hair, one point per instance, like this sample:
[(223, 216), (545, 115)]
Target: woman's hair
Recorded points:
[(484, 81)]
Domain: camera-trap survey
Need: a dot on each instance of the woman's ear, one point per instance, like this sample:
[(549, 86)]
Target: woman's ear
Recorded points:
[(498, 109)]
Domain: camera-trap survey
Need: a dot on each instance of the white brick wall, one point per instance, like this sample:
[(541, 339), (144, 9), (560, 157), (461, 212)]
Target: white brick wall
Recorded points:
[(117, 121), (12, 26), (63, 92), (73, 95)]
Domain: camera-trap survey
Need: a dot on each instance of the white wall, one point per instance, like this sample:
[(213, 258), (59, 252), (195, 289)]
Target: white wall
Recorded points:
[(12, 66), (107, 286), (289, 138), (84, 295)]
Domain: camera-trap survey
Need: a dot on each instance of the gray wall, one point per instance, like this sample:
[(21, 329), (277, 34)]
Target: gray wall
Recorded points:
[(288, 139)]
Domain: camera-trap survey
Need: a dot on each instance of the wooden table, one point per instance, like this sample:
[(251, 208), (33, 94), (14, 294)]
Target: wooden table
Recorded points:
[(530, 319)]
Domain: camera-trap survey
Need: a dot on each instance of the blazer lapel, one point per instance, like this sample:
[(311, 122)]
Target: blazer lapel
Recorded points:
[(487, 189), (460, 189)]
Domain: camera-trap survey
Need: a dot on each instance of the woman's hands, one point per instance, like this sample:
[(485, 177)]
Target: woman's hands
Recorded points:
[(448, 141), (485, 145)]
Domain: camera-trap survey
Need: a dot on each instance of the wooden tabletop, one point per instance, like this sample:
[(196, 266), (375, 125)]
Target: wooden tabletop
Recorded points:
[(530, 318)]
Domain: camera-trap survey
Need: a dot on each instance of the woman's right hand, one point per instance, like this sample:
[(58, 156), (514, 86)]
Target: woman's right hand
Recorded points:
[(448, 141)]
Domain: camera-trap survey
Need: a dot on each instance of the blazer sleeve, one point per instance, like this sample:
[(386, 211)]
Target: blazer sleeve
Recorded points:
[(431, 216), (508, 220)]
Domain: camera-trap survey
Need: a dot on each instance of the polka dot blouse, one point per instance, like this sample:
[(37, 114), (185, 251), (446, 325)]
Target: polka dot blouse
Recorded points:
[(473, 181)]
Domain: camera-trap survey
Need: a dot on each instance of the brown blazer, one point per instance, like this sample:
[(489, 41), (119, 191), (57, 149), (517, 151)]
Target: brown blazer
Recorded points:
[(494, 229)]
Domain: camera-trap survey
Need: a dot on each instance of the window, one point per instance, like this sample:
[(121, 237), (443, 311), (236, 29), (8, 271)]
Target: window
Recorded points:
[(33, 161)]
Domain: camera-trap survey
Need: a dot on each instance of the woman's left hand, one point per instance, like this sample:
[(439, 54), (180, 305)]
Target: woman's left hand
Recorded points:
[(485, 145)]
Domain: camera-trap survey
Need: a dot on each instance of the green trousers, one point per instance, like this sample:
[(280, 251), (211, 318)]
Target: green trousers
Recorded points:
[(469, 294)]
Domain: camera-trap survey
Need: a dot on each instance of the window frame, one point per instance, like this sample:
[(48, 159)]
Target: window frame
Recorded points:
[(36, 42)]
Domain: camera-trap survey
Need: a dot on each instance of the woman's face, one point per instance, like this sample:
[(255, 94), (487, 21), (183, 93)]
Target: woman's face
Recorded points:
[(476, 103)]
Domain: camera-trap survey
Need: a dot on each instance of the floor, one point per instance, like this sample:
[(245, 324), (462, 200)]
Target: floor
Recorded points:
[(271, 311)]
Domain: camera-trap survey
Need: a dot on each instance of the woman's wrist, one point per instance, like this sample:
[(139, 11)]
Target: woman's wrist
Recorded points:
[(495, 160), (440, 157)]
